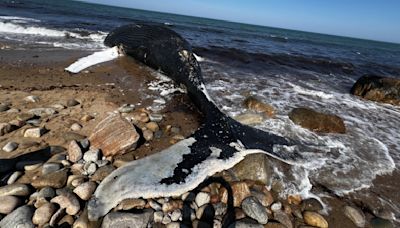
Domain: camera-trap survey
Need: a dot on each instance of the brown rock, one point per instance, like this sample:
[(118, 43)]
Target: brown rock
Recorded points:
[(8, 204), (85, 190), (67, 220), (260, 170), (314, 219), (294, 199), (240, 192), (43, 214), (128, 204), (74, 151), (152, 126), (377, 88), (317, 122), (67, 201), (172, 205), (102, 172), (114, 135), (15, 189), (255, 104), (56, 179)]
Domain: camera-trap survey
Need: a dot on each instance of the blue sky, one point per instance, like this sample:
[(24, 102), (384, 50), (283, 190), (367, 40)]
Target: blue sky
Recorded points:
[(369, 19)]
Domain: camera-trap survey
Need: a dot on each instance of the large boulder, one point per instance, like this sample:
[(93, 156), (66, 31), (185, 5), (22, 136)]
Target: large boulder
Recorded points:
[(316, 121), (114, 135), (377, 88)]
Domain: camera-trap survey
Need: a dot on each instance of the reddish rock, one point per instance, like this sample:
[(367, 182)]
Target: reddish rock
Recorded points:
[(316, 121), (114, 135), (376, 88), (256, 105), (240, 191)]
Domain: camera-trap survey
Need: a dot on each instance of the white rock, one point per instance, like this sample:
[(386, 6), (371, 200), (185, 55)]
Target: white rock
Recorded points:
[(42, 111), (10, 146), (32, 99), (14, 177), (34, 132), (90, 168), (158, 216), (202, 198), (166, 220), (176, 215), (173, 225), (154, 205), (93, 155), (76, 127), (276, 206), (85, 190)]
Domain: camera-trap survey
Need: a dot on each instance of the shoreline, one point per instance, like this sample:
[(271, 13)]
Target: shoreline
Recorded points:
[(108, 87)]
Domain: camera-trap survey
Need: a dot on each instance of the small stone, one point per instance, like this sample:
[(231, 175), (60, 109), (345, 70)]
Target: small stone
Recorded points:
[(66, 221), (75, 183), (10, 146), (46, 193), (67, 201), (245, 224), (126, 108), (15, 189), (34, 132), (152, 126), (20, 217), (311, 204), (84, 143), (43, 214), (77, 168), (148, 135), (40, 202), (50, 167), (166, 220), (74, 151), (255, 210), (85, 190), (86, 118), (58, 106), (283, 218), (6, 128), (72, 102), (121, 219), (31, 167), (128, 204), (32, 99), (158, 216), (14, 177), (4, 107), (93, 155), (154, 117), (42, 112), (314, 219), (154, 205), (176, 215), (356, 216), (90, 168), (56, 179), (264, 197), (172, 205), (101, 163), (8, 204), (202, 198), (72, 178), (240, 192), (276, 206), (76, 127), (57, 217), (102, 173)]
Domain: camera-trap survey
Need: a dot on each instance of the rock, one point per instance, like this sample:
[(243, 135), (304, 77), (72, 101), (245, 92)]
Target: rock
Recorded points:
[(90, 168), (25, 117), (75, 183), (173, 225), (67, 201), (8, 204), (283, 218), (158, 216), (276, 206), (176, 215), (32, 99), (21, 218), (276, 225), (30, 167), (84, 143), (240, 192), (72, 102), (316, 121), (314, 219), (377, 88), (86, 118), (92, 155), (10, 146), (202, 198), (42, 112), (255, 210), (76, 127), (381, 223), (56, 179), (83, 221), (264, 197), (260, 168), (114, 135), (245, 224), (220, 209), (15, 189), (17, 123), (294, 199), (249, 118), (254, 104), (74, 151), (50, 167), (4, 107), (166, 220), (14, 177), (148, 135), (172, 205), (6, 128), (153, 204), (102, 172), (126, 108), (152, 126), (58, 106), (311, 204), (46, 193), (128, 204), (43, 214), (356, 216), (34, 132), (154, 117), (121, 219), (57, 217), (77, 168), (66, 221), (69, 136), (85, 190)]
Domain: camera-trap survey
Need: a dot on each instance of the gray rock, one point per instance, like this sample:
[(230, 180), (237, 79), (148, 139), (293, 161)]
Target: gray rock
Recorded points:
[(4, 107), (255, 210), (32, 98), (154, 117), (21, 218), (68, 201), (90, 168), (34, 132), (283, 218), (93, 155), (50, 167), (245, 224), (85, 190), (102, 172), (74, 151), (47, 193), (84, 143), (15, 189), (355, 215), (260, 171), (220, 209), (14, 177), (76, 127), (10, 146), (72, 102), (42, 112), (8, 204), (311, 204), (126, 108), (120, 219), (154, 205)]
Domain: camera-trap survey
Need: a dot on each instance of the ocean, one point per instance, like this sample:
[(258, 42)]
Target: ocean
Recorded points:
[(284, 68)]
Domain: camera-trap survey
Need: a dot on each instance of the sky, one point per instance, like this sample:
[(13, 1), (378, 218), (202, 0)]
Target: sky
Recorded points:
[(368, 19)]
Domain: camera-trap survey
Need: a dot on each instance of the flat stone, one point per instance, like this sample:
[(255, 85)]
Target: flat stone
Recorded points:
[(25, 116), (34, 132), (68, 201), (314, 219), (85, 190), (355, 215), (42, 111), (10, 146), (14, 177), (102, 173), (56, 179), (128, 204), (202, 198), (72, 102), (8, 204), (44, 213), (74, 151), (32, 98), (93, 155), (255, 210), (114, 135), (15, 189), (260, 171), (121, 219), (51, 167), (20, 217)]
